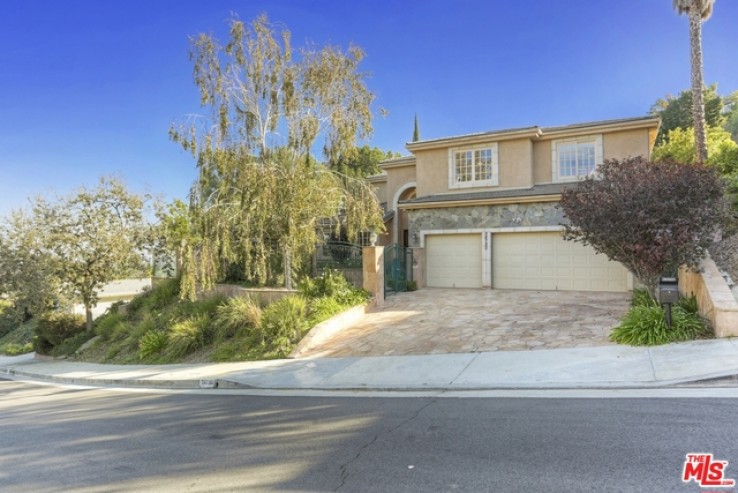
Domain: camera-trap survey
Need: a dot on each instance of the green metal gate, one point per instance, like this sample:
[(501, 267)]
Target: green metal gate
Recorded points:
[(398, 268)]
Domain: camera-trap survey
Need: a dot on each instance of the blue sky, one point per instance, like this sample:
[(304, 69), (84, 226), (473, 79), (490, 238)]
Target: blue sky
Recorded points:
[(90, 88)]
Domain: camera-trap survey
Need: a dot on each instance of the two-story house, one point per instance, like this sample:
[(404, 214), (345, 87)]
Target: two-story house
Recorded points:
[(481, 209)]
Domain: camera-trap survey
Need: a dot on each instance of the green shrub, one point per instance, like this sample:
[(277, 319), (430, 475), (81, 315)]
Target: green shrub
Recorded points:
[(332, 284), (641, 297), (122, 330), (205, 306), (14, 348), (107, 325), (322, 309), (70, 345), (188, 335), (163, 294), (8, 319), (283, 323), (54, 328), (689, 305), (645, 324), (135, 332), (247, 348), (151, 343), (236, 314), (20, 340)]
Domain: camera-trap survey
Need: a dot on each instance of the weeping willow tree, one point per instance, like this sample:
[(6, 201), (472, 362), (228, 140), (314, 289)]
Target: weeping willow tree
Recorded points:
[(260, 194)]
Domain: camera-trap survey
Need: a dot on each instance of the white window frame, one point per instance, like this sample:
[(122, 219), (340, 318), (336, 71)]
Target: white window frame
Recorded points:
[(491, 182), (584, 139)]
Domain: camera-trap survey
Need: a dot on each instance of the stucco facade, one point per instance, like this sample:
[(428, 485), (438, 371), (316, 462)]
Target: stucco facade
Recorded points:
[(497, 183)]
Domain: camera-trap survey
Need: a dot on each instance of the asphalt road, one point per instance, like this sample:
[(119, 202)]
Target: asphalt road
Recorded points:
[(79, 440)]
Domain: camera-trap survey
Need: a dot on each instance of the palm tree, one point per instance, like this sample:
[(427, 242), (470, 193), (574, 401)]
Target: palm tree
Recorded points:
[(698, 12)]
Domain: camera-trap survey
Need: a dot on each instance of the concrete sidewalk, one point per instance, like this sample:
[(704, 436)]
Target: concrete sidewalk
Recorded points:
[(578, 368)]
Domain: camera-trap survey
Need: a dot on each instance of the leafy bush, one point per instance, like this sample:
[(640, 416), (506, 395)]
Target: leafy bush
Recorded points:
[(645, 323), (151, 343), (247, 348), (332, 284), (649, 216), (14, 348), (160, 296), (70, 345), (108, 324), (322, 309), (55, 328), (283, 323), (8, 320), (132, 333), (188, 335), (20, 340), (641, 297), (205, 306), (235, 315)]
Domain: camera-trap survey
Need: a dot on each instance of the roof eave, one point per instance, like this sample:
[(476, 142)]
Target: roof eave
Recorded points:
[(526, 199), (472, 139), (612, 126)]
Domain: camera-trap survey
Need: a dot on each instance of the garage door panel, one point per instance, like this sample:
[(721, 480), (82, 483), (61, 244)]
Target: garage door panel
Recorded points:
[(454, 260), (550, 263)]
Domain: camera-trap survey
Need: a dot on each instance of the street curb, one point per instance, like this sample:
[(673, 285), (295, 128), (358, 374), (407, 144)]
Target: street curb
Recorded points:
[(224, 383)]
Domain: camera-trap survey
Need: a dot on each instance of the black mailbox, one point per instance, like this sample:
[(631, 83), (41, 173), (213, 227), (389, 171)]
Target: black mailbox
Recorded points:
[(668, 290)]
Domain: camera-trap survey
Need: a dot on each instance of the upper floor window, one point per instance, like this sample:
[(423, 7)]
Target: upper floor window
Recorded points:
[(575, 158), (473, 167)]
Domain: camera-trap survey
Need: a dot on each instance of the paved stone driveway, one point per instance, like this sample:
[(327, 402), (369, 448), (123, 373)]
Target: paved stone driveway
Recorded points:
[(434, 320)]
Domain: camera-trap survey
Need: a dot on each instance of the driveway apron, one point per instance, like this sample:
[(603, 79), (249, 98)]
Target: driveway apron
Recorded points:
[(437, 321)]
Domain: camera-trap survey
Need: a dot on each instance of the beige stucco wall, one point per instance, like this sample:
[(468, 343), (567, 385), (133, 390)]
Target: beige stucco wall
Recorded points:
[(522, 162), (397, 178), (542, 162), (514, 166), (629, 143), (615, 145), (381, 191), (515, 158), (432, 175)]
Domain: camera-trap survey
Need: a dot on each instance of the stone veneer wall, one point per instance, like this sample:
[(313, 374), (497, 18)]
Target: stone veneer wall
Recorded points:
[(484, 217)]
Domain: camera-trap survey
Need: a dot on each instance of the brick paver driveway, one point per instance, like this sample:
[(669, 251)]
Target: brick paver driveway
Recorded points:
[(434, 320)]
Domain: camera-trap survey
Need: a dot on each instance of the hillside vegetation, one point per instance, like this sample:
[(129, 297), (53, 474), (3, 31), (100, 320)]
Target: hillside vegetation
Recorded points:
[(158, 327)]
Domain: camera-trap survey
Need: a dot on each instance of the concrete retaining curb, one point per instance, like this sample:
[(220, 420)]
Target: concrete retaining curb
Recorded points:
[(327, 329)]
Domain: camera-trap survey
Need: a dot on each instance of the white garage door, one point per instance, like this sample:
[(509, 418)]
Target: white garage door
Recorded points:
[(547, 261), (454, 261)]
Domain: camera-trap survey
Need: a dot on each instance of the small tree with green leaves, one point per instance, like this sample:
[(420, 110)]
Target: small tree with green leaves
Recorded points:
[(91, 238), (678, 145), (650, 216), (731, 115), (26, 268), (677, 112)]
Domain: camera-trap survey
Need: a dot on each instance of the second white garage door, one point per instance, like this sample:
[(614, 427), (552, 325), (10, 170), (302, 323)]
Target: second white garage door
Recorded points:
[(454, 261), (547, 261)]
